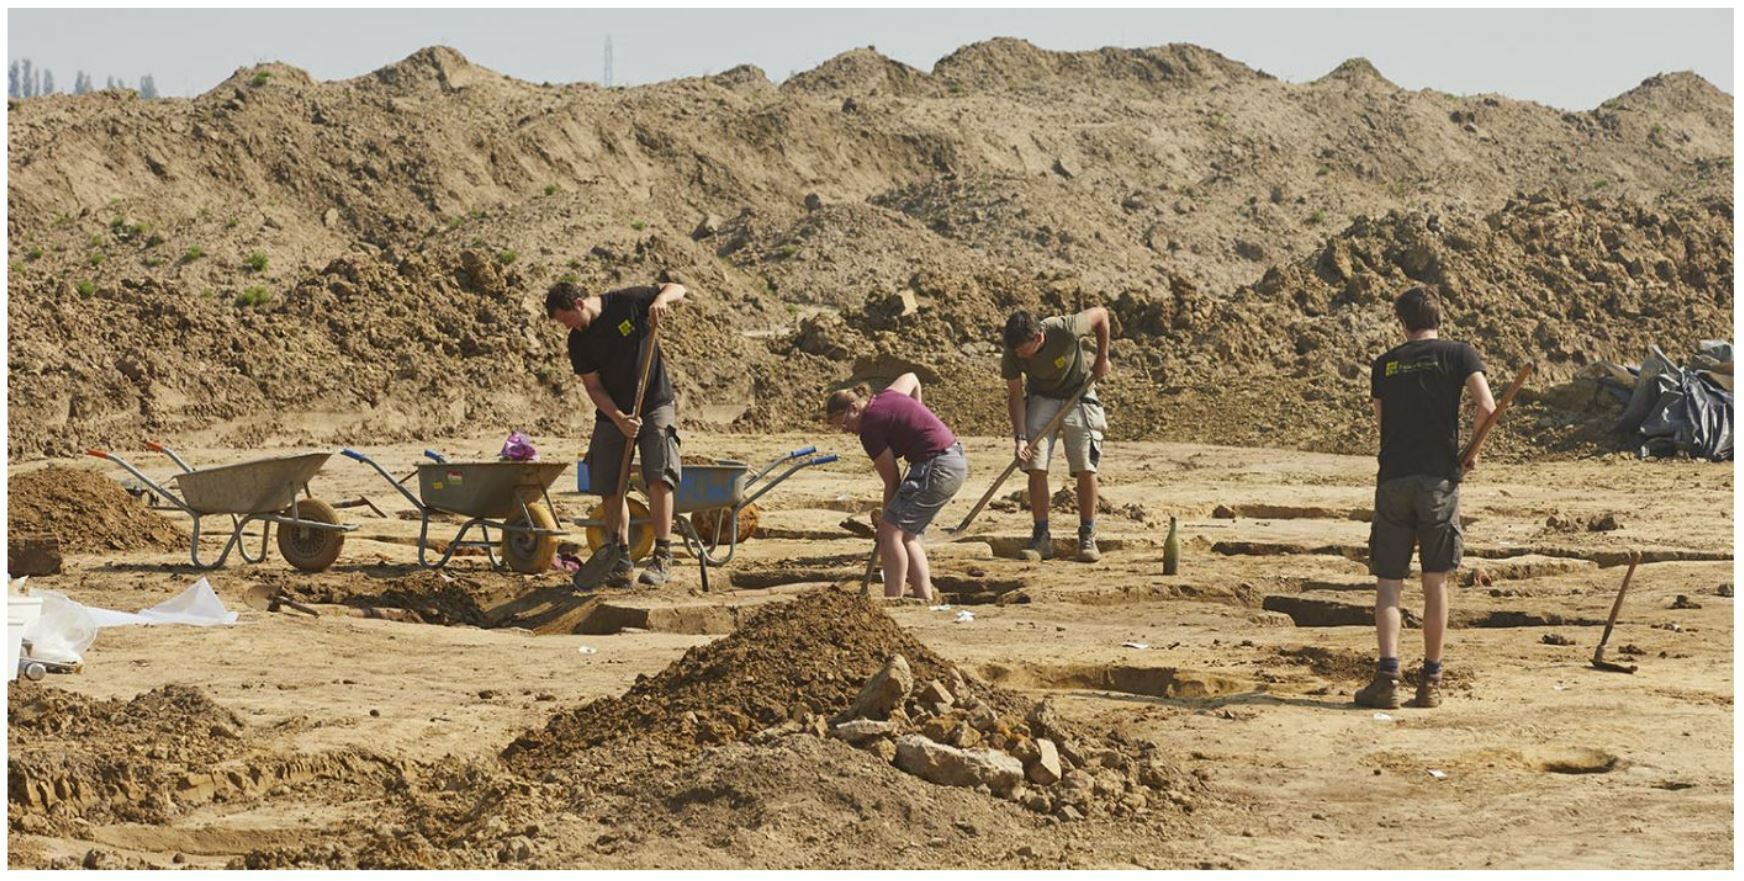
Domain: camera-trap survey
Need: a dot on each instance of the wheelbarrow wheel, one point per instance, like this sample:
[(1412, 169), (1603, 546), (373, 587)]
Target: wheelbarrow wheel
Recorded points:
[(528, 553), (311, 550), (641, 534)]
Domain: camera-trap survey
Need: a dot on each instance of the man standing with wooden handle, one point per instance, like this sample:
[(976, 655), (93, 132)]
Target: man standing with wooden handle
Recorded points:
[(1050, 353), (1416, 390), (607, 334)]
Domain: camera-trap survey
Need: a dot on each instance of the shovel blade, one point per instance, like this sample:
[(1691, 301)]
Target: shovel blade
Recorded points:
[(597, 569)]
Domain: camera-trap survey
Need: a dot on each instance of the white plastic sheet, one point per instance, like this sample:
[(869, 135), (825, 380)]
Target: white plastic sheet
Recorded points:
[(198, 606)]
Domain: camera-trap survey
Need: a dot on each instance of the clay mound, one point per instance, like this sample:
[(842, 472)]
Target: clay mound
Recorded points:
[(89, 513), (1007, 62), (115, 757), (861, 72), (805, 658)]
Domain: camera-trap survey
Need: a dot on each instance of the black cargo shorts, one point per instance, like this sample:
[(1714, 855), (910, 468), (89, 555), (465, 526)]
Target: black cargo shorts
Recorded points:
[(1420, 510)]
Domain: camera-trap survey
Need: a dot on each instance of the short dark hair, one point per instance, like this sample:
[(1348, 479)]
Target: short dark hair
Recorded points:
[(1020, 328), (562, 297), (1419, 308)]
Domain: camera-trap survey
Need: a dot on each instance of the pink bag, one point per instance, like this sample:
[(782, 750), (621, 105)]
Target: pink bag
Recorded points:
[(518, 449)]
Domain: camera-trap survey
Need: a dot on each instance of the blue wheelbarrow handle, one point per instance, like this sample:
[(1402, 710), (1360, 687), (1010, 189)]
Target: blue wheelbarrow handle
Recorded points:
[(435, 456), (802, 451), (353, 455), (824, 459)]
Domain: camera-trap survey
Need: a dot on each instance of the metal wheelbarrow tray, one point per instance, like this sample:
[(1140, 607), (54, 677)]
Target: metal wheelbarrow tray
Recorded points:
[(310, 534), (512, 498), (727, 486)]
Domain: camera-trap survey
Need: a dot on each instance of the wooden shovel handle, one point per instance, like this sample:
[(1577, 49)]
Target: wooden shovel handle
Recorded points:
[(1483, 431), (1634, 559), (1033, 445), (642, 371)]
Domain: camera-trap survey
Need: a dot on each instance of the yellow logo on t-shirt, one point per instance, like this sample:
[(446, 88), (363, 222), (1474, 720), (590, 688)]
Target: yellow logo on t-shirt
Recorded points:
[(1060, 363), (1392, 367), (626, 327)]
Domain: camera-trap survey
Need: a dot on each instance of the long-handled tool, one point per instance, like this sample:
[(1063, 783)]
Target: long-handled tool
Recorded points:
[(1035, 443), (593, 573), (1599, 662), (1483, 431)]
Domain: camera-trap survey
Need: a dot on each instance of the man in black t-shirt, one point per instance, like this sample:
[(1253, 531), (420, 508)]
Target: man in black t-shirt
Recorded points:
[(606, 336), (1416, 390)]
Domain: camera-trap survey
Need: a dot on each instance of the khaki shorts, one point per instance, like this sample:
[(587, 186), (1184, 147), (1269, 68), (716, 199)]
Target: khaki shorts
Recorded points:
[(656, 445), (925, 489), (1082, 428), (1420, 510)]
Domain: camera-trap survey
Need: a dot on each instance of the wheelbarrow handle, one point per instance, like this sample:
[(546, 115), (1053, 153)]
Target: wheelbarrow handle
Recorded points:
[(802, 451), (353, 455), (356, 456), (434, 456), (157, 447), (155, 487), (825, 459), (98, 453)]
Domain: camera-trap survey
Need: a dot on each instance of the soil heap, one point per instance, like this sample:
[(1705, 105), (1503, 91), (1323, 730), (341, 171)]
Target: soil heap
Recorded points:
[(88, 512), (365, 259)]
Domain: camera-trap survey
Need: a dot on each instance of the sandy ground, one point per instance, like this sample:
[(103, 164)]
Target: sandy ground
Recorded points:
[(1546, 762)]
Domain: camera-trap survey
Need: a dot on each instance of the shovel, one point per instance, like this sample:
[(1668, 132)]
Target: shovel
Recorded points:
[(1483, 430), (1047, 431), (593, 572), (1599, 662)]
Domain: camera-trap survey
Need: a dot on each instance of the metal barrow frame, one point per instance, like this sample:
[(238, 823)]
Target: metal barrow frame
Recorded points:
[(725, 485), (483, 520), (294, 466)]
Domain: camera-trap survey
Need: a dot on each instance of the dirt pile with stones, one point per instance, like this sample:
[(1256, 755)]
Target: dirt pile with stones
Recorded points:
[(88, 512), (288, 260)]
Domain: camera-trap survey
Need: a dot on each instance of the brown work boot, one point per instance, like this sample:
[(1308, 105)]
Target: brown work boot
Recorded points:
[(1382, 694), (1428, 693)]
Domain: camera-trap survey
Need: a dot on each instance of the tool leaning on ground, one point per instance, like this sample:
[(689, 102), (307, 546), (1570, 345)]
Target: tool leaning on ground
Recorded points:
[(593, 572), (1599, 662), (1483, 430), (1034, 444)]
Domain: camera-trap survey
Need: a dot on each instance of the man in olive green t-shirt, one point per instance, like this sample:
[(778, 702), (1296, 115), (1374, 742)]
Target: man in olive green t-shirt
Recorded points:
[(1051, 353)]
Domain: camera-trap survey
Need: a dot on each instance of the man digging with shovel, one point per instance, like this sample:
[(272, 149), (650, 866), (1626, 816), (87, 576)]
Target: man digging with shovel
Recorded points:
[(614, 348), (1051, 353)]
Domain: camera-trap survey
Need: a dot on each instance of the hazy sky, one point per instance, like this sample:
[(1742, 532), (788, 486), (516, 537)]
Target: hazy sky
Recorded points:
[(1572, 59)]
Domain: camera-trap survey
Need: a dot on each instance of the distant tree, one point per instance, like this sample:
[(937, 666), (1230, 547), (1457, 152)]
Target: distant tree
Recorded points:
[(13, 78), (48, 83), (81, 83), (109, 83), (28, 80), (147, 87)]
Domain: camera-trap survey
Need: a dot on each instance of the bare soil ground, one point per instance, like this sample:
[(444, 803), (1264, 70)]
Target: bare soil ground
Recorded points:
[(362, 741)]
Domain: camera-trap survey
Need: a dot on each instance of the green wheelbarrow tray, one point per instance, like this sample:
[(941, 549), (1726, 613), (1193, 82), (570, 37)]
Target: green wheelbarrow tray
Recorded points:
[(493, 490), (255, 487)]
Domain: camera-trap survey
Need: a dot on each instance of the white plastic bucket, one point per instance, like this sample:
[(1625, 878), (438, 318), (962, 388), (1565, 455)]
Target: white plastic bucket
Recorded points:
[(20, 611)]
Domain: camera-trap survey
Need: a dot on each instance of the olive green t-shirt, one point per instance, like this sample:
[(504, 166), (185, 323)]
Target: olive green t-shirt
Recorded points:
[(1061, 365)]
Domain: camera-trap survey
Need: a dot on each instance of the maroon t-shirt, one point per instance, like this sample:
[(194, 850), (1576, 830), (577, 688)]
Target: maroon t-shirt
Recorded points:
[(896, 422)]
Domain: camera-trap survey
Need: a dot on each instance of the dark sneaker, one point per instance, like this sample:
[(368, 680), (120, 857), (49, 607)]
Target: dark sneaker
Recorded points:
[(1041, 544), (1382, 694), (658, 570), (1428, 693), (1087, 552)]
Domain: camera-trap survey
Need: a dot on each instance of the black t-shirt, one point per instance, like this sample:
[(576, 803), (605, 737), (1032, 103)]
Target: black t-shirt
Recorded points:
[(1419, 384), (612, 346)]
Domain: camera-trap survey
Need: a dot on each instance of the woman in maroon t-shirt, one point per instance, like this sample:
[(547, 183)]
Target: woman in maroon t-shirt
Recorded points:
[(895, 424)]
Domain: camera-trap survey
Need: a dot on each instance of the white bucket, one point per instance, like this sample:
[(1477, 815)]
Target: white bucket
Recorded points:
[(20, 611)]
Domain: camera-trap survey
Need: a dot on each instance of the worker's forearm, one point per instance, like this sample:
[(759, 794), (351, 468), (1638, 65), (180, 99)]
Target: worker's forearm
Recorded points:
[(1014, 405), (604, 403)]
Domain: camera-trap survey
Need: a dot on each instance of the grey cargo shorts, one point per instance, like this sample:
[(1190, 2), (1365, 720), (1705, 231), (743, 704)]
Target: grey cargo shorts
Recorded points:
[(926, 488), (1423, 510), (657, 445)]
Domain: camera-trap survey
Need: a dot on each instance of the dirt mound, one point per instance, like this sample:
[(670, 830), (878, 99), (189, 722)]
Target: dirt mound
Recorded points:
[(90, 513), (427, 596), (364, 259), (793, 661), (70, 755)]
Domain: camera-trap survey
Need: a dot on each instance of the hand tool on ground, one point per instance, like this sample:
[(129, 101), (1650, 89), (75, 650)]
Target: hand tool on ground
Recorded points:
[(360, 502), (593, 572), (1483, 431), (1599, 662), (871, 567), (1035, 443)]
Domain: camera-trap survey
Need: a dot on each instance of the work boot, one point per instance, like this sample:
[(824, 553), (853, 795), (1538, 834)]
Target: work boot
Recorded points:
[(659, 568), (1087, 552), (1428, 692), (1382, 694), (621, 569), (1041, 542)]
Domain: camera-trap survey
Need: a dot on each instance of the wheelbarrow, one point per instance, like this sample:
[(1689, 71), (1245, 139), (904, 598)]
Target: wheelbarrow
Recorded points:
[(310, 534), (493, 496), (725, 488)]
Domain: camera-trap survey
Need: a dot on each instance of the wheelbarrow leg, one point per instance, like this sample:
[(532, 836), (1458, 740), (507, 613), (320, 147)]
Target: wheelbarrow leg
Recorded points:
[(693, 541)]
